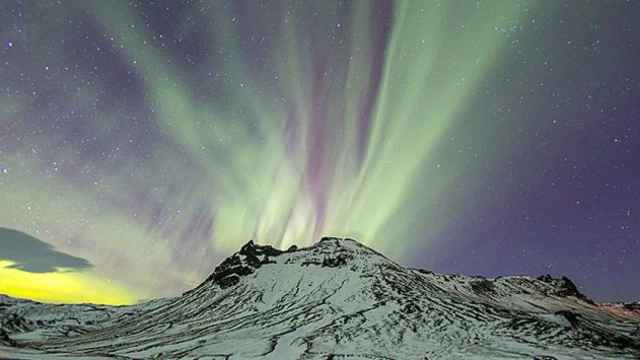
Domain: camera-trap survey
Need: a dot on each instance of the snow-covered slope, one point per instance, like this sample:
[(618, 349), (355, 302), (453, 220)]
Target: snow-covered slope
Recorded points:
[(334, 300)]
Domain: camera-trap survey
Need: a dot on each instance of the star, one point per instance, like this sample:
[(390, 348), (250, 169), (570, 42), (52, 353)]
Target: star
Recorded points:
[(283, 124)]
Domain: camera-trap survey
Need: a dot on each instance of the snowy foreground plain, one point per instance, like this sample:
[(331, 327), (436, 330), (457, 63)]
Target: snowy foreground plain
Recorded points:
[(337, 299)]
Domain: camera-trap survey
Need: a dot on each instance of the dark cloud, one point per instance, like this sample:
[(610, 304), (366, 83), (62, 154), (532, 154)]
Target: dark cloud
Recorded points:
[(33, 255)]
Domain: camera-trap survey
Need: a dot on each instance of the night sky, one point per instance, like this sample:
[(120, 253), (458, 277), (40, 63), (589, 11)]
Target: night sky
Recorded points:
[(148, 140)]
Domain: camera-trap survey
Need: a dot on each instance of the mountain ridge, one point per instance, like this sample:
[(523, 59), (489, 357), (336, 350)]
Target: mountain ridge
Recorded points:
[(334, 299)]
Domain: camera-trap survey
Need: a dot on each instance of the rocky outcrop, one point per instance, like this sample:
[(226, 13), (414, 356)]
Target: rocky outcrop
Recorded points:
[(337, 299)]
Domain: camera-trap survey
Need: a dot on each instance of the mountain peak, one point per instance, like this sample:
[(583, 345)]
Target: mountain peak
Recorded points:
[(250, 257), (330, 251), (336, 298), (251, 247)]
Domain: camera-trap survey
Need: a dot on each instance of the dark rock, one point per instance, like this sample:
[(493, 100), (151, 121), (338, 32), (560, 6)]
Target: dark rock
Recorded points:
[(483, 286), (349, 294), (330, 238), (252, 249), (6, 340), (568, 288), (228, 281), (632, 306), (564, 287), (250, 257), (336, 261), (266, 260), (546, 278), (571, 317), (423, 271), (310, 262)]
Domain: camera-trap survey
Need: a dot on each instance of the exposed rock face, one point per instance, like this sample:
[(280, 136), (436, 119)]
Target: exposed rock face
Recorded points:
[(564, 287), (635, 306), (250, 257), (337, 299)]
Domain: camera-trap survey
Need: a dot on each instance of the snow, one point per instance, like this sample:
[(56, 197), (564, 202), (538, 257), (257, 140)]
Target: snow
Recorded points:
[(336, 299)]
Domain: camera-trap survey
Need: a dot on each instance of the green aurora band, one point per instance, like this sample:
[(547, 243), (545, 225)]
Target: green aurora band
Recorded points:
[(339, 146)]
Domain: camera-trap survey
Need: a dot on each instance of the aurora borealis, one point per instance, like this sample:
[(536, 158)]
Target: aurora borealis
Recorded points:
[(154, 138)]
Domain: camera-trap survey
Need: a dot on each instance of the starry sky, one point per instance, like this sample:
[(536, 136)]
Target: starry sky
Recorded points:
[(142, 142)]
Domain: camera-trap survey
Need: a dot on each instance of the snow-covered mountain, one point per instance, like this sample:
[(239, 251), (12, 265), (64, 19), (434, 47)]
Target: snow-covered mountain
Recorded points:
[(337, 299)]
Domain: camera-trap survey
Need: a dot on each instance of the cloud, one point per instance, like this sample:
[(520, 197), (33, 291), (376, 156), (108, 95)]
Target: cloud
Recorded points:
[(34, 255)]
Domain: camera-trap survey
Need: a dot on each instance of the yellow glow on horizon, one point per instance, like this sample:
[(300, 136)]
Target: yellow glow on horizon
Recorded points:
[(63, 287)]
